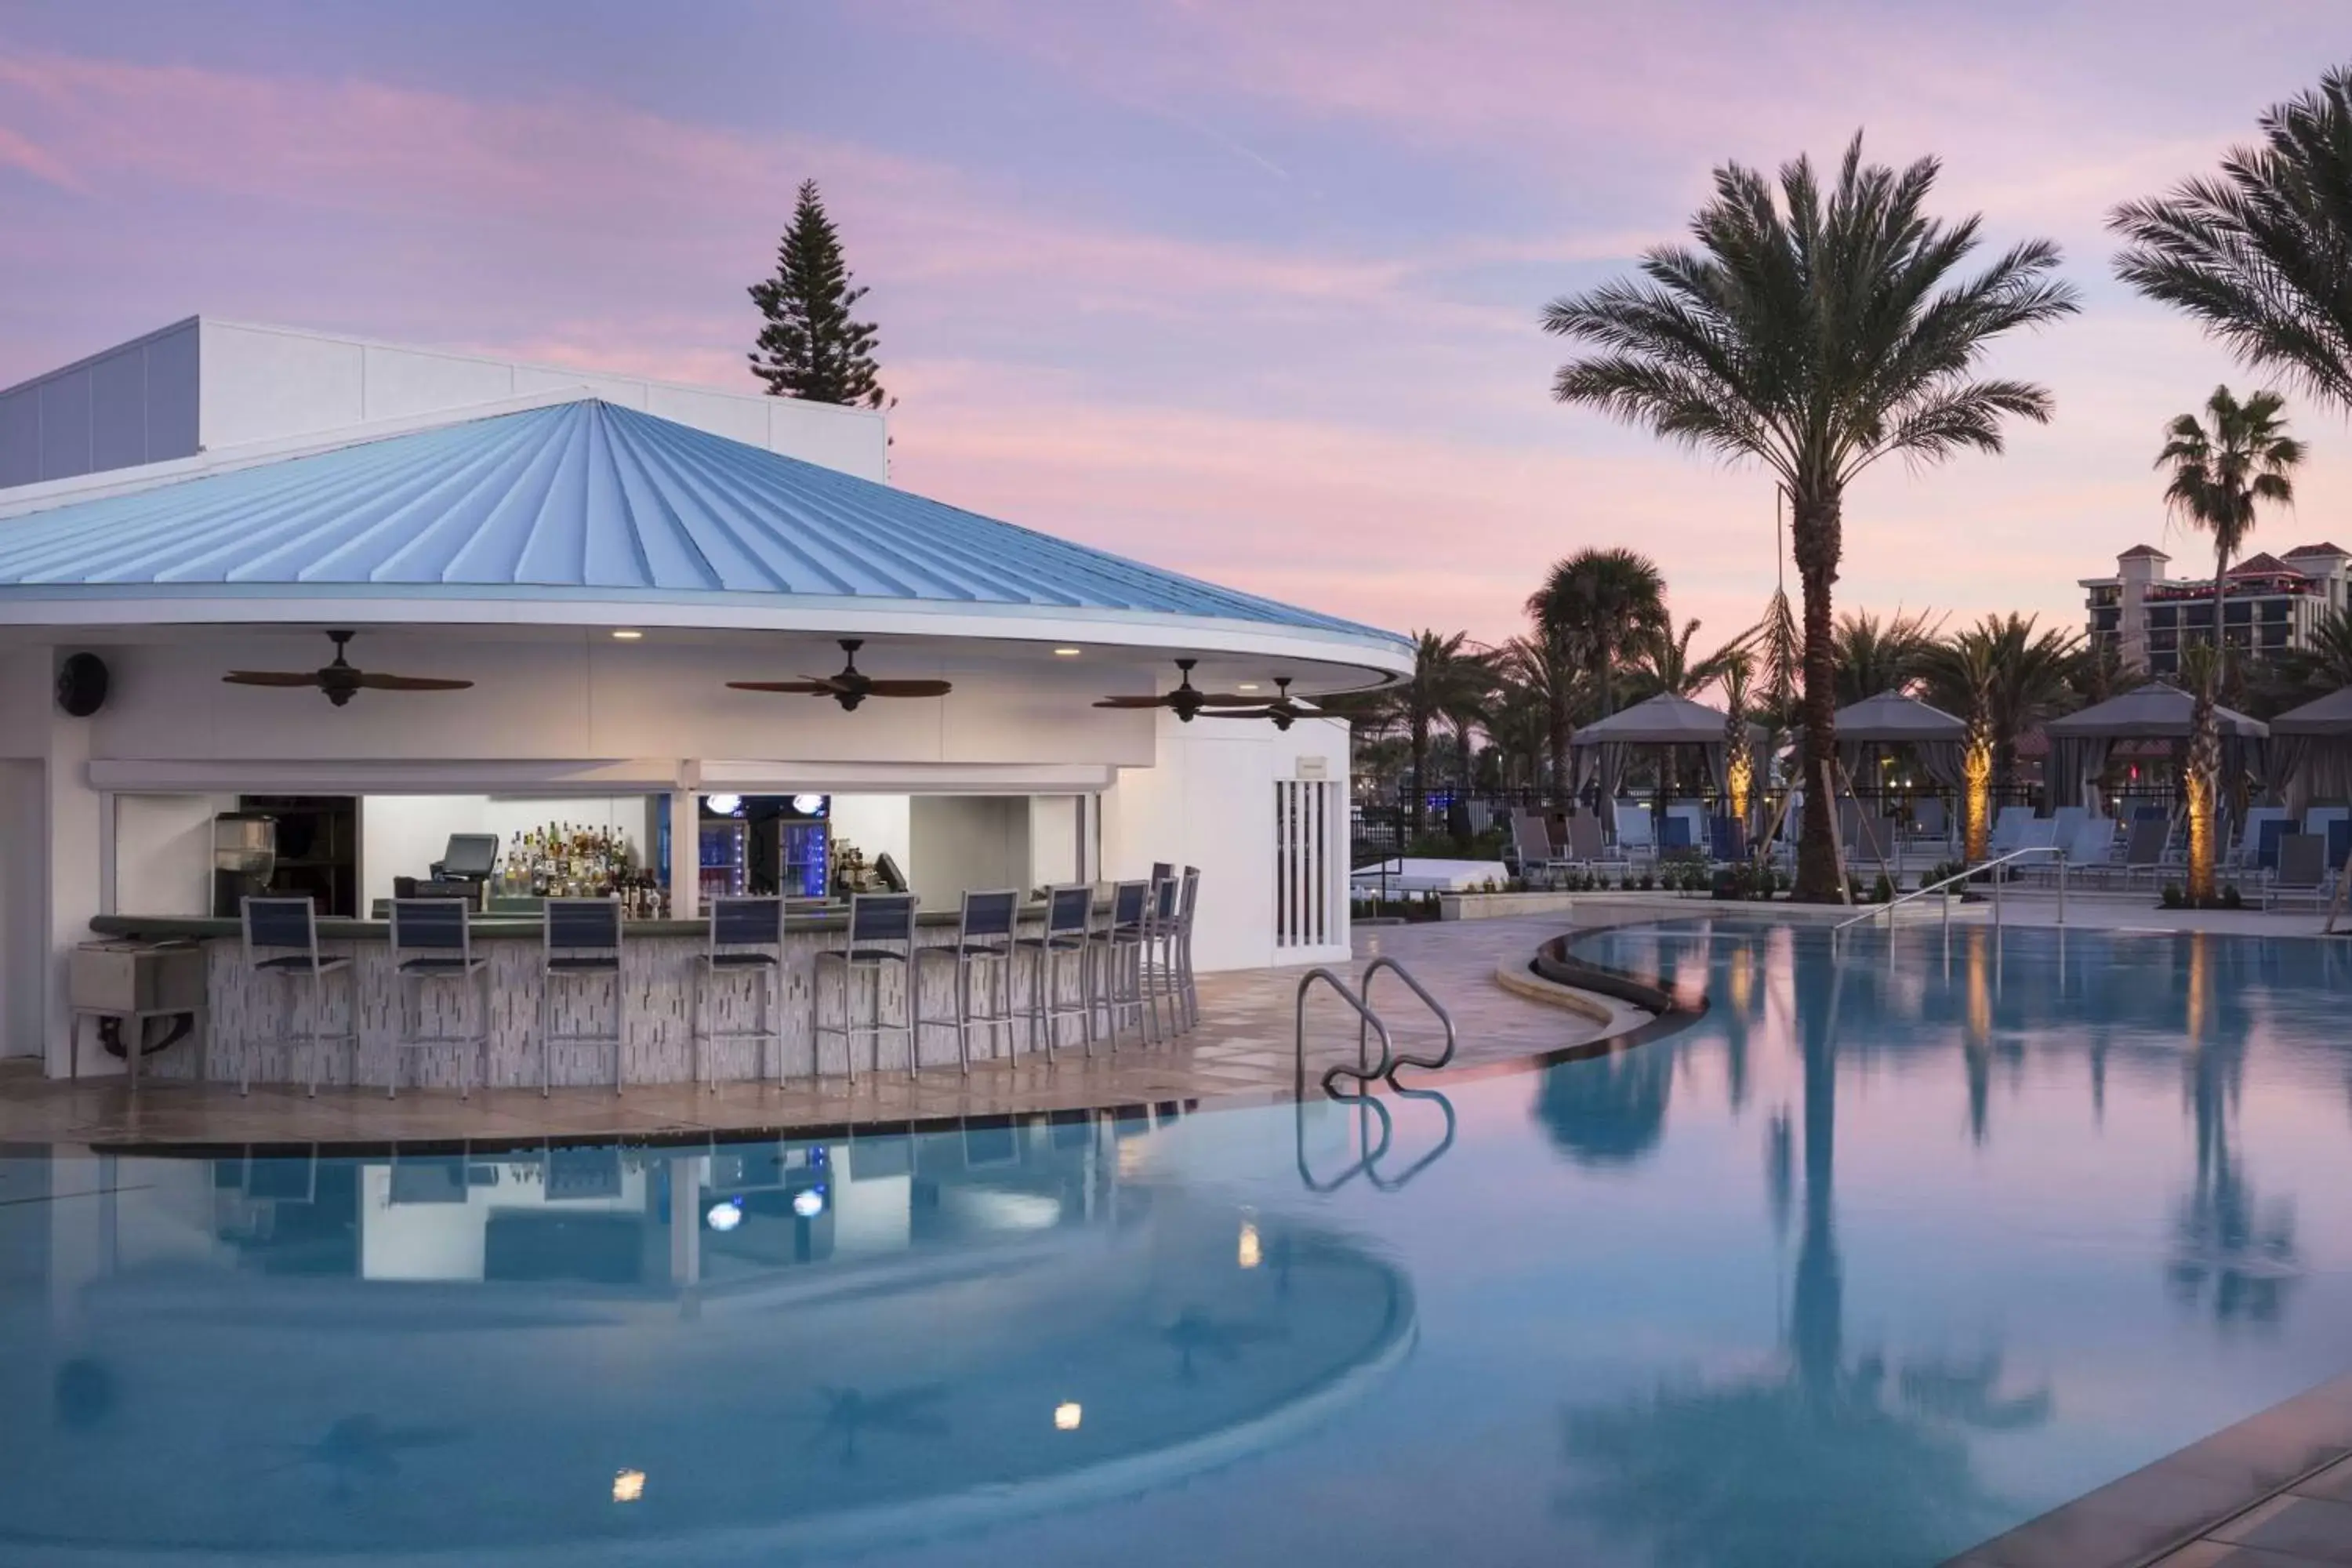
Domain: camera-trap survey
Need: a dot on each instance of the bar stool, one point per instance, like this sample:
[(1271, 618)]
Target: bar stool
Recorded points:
[(581, 938), (1161, 930), (432, 940), (880, 935), (1069, 920), (983, 940), (746, 937), (1186, 986), (281, 937), (1118, 955)]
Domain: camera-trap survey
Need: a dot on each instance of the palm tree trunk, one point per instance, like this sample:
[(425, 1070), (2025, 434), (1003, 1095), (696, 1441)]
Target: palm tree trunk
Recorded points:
[(1559, 737), (1419, 777), (2204, 779), (2220, 596), (1815, 540)]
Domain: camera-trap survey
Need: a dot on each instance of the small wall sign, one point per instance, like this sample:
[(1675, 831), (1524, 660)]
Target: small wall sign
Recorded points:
[(1313, 769)]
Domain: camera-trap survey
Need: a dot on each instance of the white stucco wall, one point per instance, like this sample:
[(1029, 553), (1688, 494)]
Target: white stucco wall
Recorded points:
[(205, 384), (1208, 800)]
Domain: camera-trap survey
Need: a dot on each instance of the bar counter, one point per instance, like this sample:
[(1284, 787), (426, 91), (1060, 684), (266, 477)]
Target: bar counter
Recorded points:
[(658, 971)]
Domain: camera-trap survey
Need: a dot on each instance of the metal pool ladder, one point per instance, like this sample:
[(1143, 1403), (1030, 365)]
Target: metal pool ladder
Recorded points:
[(1369, 1022), (1368, 1071)]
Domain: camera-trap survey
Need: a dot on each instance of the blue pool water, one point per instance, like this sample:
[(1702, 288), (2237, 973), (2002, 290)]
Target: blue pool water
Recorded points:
[(1889, 1251)]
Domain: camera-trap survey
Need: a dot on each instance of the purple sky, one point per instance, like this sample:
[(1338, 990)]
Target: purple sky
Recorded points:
[(1249, 289)]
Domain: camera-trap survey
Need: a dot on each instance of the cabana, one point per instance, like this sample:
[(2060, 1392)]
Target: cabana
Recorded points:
[(1936, 738), (2080, 743), (1661, 722), (1891, 719), (2311, 750)]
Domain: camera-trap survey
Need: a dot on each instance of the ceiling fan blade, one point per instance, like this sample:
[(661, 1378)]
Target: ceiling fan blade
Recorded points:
[(909, 688), (1132, 702), (1226, 700), (1238, 712), (271, 678), (797, 688), (374, 682)]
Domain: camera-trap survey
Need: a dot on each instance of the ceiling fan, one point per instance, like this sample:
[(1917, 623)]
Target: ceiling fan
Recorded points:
[(1283, 709), (1186, 702), (340, 681), (852, 686)]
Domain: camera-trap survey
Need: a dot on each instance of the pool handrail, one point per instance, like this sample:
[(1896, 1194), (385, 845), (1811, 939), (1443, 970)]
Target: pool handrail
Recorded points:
[(1888, 907), (1364, 989), (1362, 1073)]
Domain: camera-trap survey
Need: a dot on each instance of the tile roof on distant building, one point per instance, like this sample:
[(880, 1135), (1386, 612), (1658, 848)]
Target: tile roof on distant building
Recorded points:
[(2323, 548), (2142, 550), (2263, 564)]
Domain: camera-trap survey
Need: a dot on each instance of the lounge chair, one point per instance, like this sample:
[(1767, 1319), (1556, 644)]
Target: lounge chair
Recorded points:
[(2008, 830), (1586, 845), (1531, 842), (2257, 845), (2091, 848), (2144, 848), (1635, 833), (2302, 874), (1726, 840), (1931, 824)]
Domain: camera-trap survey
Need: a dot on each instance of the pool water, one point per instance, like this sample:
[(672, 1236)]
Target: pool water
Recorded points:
[(1891, 1250)]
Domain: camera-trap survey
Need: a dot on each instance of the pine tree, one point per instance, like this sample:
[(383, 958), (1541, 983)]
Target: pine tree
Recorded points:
[(811, 346)]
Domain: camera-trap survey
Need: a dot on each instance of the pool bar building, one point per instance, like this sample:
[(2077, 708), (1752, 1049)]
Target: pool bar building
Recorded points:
[(559, 586)]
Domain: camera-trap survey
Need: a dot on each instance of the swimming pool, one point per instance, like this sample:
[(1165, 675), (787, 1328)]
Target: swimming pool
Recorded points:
[(1889, 1250)]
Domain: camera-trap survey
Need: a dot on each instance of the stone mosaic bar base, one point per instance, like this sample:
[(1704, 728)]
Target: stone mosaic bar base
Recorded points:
[(267, 1018)]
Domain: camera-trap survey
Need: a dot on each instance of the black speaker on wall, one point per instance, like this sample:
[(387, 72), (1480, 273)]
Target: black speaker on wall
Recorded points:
[(81, 685)]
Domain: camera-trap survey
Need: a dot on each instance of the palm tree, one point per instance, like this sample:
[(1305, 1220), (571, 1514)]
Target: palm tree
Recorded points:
[(2201, 666), (1815, 333), (1431, 694), (1876, 656), (1738, 756), (1547, 666), (1518, 723), (2220, 475), (2324, 663), (2222, 472), (2262, 254), (2004, 676), (1597, 601), (1661, 662)]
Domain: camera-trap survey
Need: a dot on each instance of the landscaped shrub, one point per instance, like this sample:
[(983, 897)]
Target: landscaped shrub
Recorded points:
[(2172, 898), (1882, 892), (2231, 898)]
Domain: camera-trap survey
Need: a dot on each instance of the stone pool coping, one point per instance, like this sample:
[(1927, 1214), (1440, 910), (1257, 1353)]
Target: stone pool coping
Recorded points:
[(2219, 1501)]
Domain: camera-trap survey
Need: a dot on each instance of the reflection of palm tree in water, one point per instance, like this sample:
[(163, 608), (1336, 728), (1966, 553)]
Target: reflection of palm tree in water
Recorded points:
[(851, 1412), (2223, 1239), (362, 1447), (1818, 1461), (1611, 1110), (1197, 1332)]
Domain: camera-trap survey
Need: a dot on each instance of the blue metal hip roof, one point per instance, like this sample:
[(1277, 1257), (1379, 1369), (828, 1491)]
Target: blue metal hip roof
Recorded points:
[(588, 496)]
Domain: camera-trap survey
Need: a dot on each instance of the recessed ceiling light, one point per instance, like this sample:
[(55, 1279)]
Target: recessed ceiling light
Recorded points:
[(626, 634), (1246, 686), (1066, 653), (1068, 1415)]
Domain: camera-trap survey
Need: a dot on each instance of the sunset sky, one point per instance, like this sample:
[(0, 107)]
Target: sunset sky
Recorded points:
[(1249, 289)]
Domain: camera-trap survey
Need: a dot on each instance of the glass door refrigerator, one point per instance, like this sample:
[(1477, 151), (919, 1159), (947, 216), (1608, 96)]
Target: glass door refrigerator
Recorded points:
[(726, 857), (805, 861)]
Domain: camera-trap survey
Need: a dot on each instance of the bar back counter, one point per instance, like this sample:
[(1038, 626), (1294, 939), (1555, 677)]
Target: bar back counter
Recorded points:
[(264, 1015)]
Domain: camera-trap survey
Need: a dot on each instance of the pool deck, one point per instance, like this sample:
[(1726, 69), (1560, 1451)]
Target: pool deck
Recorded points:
[(1242, 1051)]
